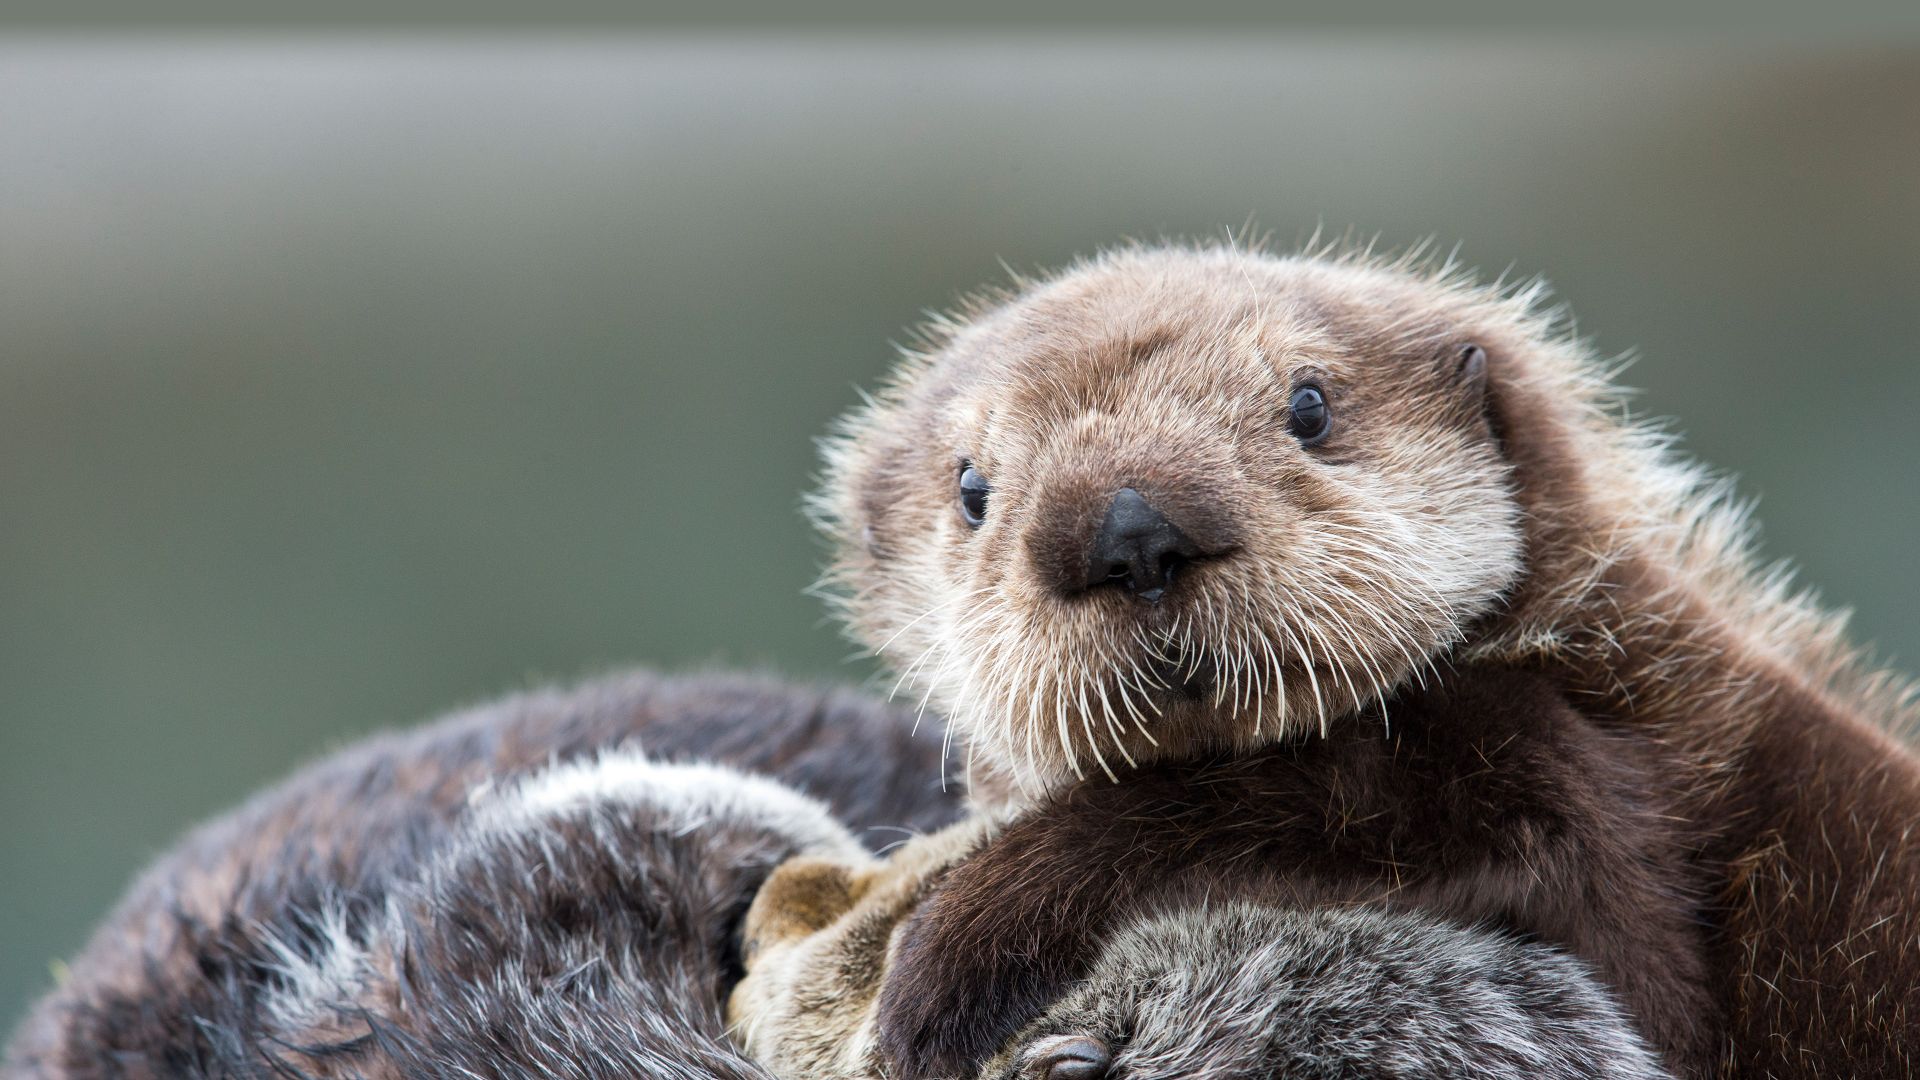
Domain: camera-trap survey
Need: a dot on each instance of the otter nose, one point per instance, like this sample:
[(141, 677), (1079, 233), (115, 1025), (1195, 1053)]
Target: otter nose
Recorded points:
[(1137, 548)]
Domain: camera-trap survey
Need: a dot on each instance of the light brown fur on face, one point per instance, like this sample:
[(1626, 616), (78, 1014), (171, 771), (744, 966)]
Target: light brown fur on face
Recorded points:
[(1432, 523), (1349, 567)]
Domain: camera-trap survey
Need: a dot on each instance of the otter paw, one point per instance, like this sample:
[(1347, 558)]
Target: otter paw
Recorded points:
[(803, 896)]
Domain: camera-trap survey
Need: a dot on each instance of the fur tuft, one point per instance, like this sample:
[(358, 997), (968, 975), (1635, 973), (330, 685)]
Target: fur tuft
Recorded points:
[(1248, 990), (514, 891)]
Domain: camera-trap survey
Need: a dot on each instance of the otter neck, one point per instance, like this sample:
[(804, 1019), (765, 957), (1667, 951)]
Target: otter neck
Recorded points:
[(1648, 624)]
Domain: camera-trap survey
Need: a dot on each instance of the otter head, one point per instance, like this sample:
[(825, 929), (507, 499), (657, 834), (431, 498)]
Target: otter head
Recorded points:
[(1175, 500)]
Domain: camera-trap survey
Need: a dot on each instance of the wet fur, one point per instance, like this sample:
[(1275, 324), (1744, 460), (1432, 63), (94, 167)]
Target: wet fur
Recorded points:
[(580, 928), (1452, 522)]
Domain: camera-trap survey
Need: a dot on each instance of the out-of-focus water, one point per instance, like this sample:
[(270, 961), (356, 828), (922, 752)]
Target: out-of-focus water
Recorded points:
[(343, 381)]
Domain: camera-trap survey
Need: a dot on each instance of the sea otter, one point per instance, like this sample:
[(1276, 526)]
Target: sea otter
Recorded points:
[(1183, 502)]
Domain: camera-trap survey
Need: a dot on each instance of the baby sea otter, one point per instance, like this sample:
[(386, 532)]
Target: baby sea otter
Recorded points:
[(1177, 503)]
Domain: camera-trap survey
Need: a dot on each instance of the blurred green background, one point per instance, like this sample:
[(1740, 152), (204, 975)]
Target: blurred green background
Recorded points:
[(343, 380)]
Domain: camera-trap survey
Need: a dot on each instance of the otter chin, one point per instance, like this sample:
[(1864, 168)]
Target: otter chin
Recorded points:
[(1174, 501)]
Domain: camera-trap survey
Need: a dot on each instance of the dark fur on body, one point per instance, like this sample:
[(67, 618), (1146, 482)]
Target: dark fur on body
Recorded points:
[(1480, 505), (527, 956), (1491, 803)]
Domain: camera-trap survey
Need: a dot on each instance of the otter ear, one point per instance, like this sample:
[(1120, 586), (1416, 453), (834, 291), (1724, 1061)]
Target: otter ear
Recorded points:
[(1068, 1057), (1466, 369), (1470, 368)]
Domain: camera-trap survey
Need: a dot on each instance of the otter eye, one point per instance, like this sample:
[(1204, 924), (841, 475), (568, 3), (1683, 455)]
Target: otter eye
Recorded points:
[(1077, 1058), (1307, 415), (973, 495)]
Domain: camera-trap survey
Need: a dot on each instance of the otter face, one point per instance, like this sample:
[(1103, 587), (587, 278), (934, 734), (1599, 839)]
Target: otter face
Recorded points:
[(1178, 500), (1246, 991)]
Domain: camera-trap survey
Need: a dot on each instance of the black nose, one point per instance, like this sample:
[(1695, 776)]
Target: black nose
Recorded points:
[(1137, 548)]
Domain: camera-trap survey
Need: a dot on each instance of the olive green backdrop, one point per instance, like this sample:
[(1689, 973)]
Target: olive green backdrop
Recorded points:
[(344, 380)]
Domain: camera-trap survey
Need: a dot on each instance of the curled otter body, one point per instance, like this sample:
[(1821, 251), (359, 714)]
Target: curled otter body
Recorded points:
[(1180, 502), (534, 887)]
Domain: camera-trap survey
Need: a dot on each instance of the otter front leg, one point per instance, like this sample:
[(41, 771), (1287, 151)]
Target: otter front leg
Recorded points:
[(816, 943), (1009, 930), (1001, 938), (1492, 802)]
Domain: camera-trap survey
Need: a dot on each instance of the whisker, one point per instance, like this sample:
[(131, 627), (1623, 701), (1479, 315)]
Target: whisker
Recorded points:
[(1093, 744)]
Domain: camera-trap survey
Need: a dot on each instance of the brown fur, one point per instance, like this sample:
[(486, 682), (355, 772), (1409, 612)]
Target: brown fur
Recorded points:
[(1456, 519), (1492, 803)]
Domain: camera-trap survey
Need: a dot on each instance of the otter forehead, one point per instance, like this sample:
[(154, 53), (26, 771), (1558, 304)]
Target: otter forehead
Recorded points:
[(1146, 343), (1147, 297), (1203, 316), (1172, 369)]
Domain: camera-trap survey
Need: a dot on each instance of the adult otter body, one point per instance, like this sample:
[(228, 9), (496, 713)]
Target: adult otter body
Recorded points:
[(539, 887), (1175, 504)]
